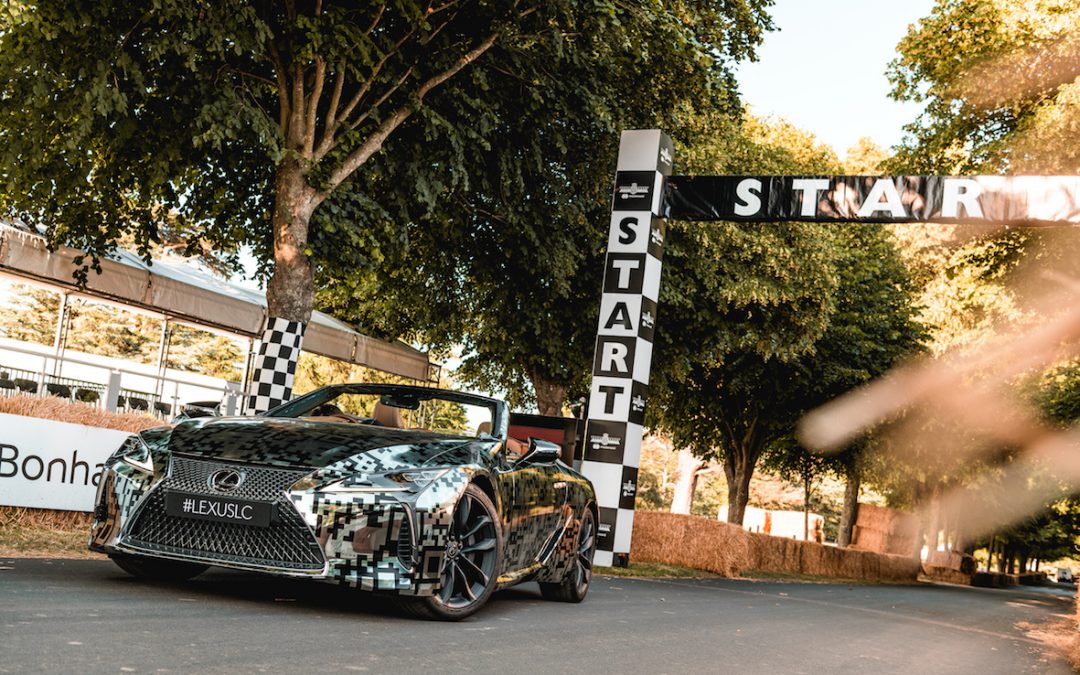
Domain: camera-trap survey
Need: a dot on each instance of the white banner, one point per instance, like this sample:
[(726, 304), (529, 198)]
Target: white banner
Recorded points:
[(52, 465)]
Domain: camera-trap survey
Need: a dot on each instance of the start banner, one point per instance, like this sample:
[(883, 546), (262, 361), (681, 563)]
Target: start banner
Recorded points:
[(998, 200), (52, 465)]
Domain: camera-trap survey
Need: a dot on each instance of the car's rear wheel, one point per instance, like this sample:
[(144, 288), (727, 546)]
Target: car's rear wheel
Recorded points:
[(575, 585), (157, 569), (470, 568)]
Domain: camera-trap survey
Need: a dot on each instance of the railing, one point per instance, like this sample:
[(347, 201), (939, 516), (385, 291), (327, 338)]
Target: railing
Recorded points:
[(111, 394)]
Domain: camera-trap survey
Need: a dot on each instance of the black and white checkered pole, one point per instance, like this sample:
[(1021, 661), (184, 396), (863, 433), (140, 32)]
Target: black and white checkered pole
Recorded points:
[(275, 365), (625, 337)]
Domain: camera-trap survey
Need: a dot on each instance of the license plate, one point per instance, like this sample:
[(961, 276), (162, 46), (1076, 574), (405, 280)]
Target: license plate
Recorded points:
[(218, 509)]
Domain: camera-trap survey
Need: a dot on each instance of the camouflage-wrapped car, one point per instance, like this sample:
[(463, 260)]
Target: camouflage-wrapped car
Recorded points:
[(377, 487)]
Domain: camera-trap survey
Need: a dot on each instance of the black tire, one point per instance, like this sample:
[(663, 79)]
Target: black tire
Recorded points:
[(156, 569), (471, 567), (575, 585)]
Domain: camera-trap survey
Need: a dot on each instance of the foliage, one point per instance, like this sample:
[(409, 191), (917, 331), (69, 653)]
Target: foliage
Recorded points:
[(204, 352), (512, 272), (313, 131), (865, 158), (1000, 83), (314, 371), (748, 402), (30, 315)]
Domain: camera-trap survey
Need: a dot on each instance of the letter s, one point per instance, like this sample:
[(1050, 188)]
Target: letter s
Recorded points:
[(749, 194), (626, 227)]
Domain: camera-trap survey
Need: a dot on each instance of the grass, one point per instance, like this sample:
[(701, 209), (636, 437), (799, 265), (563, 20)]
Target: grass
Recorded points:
[(37, 533), (656, 571)]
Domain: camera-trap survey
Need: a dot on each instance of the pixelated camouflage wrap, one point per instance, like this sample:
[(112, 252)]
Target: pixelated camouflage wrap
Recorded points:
[(373, 534)]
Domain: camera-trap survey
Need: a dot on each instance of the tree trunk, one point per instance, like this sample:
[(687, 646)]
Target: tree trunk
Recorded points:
[(934, 528), (850, 512), (550, 396), (806, 508), (738, 480), (686, 481), (990, 553), (290, 292)]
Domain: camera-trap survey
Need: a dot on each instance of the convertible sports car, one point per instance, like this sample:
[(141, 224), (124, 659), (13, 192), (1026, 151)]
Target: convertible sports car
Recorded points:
[(355, 484)]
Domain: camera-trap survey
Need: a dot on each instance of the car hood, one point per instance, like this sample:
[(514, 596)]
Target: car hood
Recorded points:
[(316, 445)]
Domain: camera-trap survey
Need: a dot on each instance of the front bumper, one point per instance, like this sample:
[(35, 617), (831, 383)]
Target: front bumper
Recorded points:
[(372, 541)]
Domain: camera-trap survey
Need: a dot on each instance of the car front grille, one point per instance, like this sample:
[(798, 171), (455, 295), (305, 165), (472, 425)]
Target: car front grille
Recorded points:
[(287, 544)]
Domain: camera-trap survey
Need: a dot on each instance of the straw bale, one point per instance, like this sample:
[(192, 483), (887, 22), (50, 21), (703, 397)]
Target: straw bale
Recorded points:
[(52, 408), (722, 548), (885, 530), (946, 574), (689, 541)]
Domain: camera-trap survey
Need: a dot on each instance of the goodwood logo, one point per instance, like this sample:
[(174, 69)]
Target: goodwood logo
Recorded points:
[(605, 441), (633, 191)]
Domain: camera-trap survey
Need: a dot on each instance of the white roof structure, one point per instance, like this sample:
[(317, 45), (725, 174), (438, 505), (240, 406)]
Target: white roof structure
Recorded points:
[(183, 292)]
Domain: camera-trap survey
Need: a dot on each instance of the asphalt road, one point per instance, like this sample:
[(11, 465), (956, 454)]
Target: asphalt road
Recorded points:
[(86, 616)]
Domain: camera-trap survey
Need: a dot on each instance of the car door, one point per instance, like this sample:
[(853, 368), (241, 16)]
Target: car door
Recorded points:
[(530, 500)]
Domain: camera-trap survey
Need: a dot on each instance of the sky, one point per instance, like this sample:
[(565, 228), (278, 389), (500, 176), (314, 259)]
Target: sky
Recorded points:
[(824, 69)]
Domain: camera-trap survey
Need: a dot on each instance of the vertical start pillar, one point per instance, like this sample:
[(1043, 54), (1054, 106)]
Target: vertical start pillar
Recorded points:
[(620, 383)]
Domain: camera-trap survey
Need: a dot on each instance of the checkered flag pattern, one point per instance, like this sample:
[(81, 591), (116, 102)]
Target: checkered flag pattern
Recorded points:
[(275, 365), (620, 384)]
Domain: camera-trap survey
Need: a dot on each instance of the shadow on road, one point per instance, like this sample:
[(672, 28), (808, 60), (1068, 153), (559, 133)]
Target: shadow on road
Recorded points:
[(303, 594)]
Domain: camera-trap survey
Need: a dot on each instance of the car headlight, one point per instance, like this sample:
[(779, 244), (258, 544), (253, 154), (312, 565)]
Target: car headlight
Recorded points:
[(134, 452), (412, 480)]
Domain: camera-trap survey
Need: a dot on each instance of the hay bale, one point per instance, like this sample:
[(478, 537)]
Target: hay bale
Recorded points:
[(728, 550), (885, 530), (52, 408), (689, 541)]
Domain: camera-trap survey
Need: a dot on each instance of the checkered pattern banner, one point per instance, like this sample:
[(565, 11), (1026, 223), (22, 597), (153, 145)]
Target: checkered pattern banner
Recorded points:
[(275, 365), (620, 385)]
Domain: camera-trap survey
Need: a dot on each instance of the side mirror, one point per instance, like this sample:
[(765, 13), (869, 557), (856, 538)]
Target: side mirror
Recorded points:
[(541, 452)]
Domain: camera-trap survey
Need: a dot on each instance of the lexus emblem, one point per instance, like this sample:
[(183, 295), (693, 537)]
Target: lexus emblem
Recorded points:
[(226, 480)]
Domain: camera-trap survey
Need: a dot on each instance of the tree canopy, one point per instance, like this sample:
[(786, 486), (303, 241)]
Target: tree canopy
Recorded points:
[(239, 123), (509, 268), (1000, 83)]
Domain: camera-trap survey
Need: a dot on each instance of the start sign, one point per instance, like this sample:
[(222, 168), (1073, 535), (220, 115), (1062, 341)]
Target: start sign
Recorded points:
[(645, 194), (1001, 200)]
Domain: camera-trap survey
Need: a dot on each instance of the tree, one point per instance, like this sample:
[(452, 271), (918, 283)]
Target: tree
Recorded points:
[(748, 404), (737, 302), (513, 275), (998, 79), (31, 315), (865, 158), (273, 125), (799, 466)]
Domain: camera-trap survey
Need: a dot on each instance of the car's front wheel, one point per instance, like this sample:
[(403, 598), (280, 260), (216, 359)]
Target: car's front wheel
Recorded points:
[(157, 569), (575, 585), (470, 567)]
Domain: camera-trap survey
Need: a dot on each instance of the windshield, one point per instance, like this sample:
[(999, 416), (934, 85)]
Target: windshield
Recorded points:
[(400, 407)]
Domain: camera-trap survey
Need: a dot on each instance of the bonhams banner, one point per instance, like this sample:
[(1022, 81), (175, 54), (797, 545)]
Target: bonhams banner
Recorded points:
[(1003, 200), (52, 465)]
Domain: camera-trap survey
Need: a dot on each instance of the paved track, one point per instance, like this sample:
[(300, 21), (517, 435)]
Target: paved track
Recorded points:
[(86, 616)]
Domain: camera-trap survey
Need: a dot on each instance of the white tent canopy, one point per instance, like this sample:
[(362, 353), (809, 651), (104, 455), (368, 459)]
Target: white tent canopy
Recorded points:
[(183, 292)]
